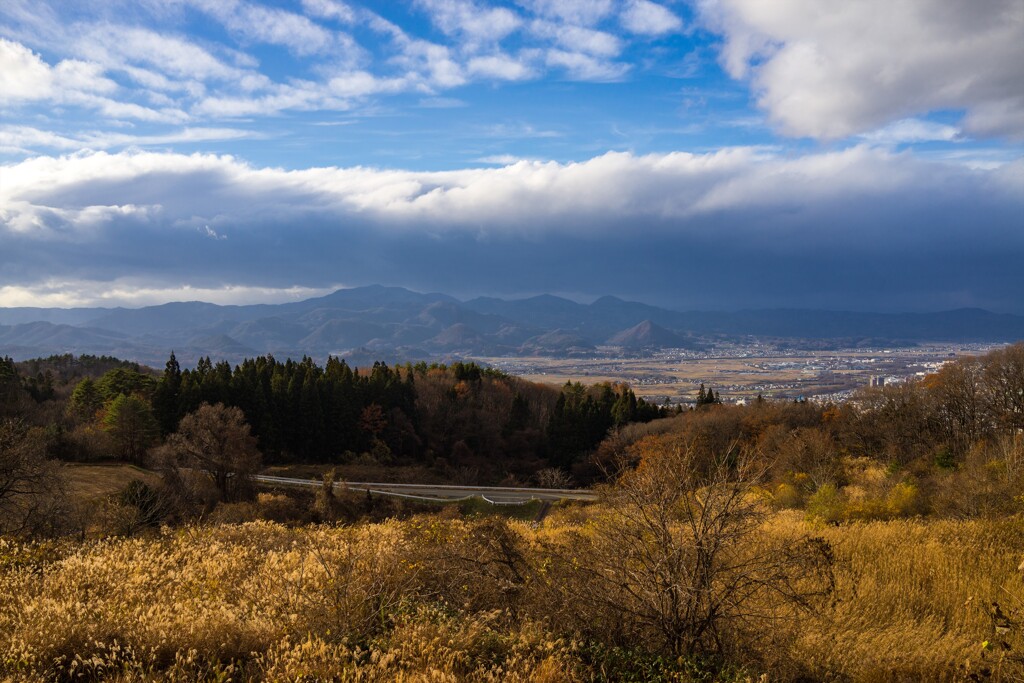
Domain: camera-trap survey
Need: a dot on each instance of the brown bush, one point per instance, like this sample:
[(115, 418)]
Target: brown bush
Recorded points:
[(680, 558)]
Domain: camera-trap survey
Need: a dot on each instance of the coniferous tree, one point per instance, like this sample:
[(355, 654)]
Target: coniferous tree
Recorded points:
[(12, 396), (85, 400), (130, 421), (165, 398), (518, 414)]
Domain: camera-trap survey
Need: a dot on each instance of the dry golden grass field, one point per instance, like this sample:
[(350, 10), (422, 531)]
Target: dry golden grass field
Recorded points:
[(446, 600)]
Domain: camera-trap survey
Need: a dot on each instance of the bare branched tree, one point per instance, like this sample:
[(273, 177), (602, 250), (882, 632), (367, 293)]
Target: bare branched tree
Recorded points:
[(216, 440), (31, 486), (682, 555), (553, 478)]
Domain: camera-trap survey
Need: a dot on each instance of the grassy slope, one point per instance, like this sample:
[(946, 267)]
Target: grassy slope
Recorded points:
[(89, 482), (913, 602)]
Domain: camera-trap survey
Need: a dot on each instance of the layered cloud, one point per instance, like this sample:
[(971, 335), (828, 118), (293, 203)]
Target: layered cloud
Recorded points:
[(821, 70), (138, 62), (841, 223), (134, 292), (910, 196), (829, 70), (26, 78)]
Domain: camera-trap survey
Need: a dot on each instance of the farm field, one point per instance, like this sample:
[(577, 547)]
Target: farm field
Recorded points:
[(741, 372)]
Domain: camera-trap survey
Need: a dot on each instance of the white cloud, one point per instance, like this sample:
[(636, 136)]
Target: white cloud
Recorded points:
[(578, 39), (336, 94), (330, 9), (299, 95), (99, 216), (578, 12), (126, 69), (132, 292), (914, 130), (76, 225), (603, 191), (431, 62), (24, 139), (24, 76), (829, 70), (275, 26), (585, 67), (501, 159), (126, 110), (469, 20), (649, 18), (211, 233), (278, 27), (501, 67), (519, 131), (116, 46)]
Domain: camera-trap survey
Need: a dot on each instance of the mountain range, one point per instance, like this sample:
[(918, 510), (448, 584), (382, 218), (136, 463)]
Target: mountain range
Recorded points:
[(391, 323)]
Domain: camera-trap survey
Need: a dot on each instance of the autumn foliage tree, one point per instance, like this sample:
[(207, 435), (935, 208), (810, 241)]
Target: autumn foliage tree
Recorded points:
[(215, 439)]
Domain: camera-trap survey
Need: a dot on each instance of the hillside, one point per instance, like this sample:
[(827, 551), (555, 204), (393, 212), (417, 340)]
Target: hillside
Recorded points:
[(401, 324), (647, 335)]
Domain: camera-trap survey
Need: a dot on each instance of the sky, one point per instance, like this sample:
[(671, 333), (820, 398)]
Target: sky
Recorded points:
[(696, 154)]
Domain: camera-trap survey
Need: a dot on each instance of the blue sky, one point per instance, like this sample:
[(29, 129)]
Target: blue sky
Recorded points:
[(692, 153)]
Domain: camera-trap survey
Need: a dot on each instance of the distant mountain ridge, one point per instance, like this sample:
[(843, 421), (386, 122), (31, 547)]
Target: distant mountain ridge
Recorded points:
[(394, 323)]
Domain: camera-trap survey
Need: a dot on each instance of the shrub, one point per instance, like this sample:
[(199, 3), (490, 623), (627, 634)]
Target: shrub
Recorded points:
[(826, 504), (277, 507), (680, 560), (903, 500), (786, 496)]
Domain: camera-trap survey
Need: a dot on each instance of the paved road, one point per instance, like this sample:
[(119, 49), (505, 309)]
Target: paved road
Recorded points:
[(498, 495)]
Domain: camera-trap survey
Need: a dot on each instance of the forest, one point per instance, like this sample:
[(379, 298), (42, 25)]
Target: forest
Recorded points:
[(878, 539), (301, 412)]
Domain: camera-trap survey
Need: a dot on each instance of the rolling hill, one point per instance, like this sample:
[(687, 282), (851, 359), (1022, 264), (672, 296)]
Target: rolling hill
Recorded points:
[(398, 323)]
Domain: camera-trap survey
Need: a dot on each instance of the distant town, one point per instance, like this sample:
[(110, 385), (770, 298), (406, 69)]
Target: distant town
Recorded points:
[(742, 371)]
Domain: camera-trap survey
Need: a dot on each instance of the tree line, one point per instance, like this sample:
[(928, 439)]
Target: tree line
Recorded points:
[(456, 417), (949, 443)]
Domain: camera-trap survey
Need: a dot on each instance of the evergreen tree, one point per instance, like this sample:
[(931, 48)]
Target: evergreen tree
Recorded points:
[(518, 414), (130, 421), (12, 396), (85, 400), (125, 381), (165, 398)]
